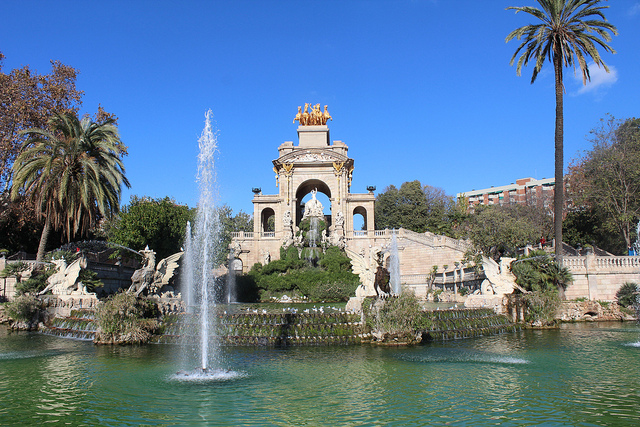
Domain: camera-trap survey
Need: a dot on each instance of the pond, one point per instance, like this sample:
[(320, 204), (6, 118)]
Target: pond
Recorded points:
[(581, 374)]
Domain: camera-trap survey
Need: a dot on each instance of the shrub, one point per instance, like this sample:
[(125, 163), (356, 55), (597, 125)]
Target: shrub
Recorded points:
[(540, 272), (23, 308), (14, 269), (37, 282), (627, 295), (328, 291), (542, 306), (332, 280), (402, 316), (124, 318), (89, 279)]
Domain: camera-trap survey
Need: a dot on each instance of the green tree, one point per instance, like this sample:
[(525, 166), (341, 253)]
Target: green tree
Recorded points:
[(627, 295), (331, 280), (230, 223), (538, 272), (500, 230), (158, 223), (586, 225), (417, 208), (606, 179), (27, 100), (161, 224), (72, 173), (567, 36), (541, 275)]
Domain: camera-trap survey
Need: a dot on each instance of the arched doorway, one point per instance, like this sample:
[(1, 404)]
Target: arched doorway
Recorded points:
[(303, 195), (359, 218), (267, 220)]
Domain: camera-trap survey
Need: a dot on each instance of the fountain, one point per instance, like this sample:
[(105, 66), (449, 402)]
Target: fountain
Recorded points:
[(231, 284), (312, 235), (313, 214), (201, 285), (394, 265)]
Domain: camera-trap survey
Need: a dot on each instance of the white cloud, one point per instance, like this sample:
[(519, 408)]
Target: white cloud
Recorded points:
[(634, 10), (599, 78)]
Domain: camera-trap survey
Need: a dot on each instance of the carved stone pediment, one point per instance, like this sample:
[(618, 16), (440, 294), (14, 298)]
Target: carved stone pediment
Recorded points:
[(311, 155)]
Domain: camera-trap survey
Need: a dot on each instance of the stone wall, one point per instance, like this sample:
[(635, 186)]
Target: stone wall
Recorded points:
[(417, 252), (598, 278), (8, 284)]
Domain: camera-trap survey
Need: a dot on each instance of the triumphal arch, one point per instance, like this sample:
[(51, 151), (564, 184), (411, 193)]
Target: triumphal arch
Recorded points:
[(314, 165)]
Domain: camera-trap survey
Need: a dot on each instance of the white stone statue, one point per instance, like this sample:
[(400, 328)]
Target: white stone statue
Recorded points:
[(235, 249), (365, 265), (500, 281), (65, 280), (165, 272), (313, 207), (266, 256), (287, 228), (337, 236), (152, 278)]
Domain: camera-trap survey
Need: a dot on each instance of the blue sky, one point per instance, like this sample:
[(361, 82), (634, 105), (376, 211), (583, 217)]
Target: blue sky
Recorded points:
[(417, 89)]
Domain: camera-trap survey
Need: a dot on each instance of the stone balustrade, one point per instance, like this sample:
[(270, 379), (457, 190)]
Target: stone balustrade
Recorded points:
[(600, 277), (602, 264), (618, 263), (574, 263)]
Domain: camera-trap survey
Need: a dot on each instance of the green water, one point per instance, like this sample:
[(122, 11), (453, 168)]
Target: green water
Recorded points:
[(580, 375)]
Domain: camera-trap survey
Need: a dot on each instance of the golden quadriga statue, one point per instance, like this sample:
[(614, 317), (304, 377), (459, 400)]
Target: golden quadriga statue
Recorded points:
[(315, 117)]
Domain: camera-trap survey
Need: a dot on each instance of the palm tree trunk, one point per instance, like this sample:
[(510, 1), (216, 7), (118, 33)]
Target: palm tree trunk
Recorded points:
[(558, 199), (43, 240)]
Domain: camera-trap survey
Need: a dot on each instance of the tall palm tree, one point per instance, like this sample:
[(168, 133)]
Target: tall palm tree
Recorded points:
[(72, 172), (568, 35)]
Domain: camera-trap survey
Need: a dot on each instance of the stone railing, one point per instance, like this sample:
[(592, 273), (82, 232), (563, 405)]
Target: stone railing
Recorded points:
[(618, 263), (452, 276), (574, 263), (602, 264), (427, 238), (435, 240), (250, 235)]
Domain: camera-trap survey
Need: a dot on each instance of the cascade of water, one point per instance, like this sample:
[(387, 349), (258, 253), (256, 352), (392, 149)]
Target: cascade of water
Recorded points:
[(313, 239), (394, 266), (187, 270), (231, 283), (636, 245), (203, 246)]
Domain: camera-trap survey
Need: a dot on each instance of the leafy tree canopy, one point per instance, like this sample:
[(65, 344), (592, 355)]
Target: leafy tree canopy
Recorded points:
[(161, 224), (588, 226), (418, 208), (158, 223), (605, 180), (27, 100), (500, 230)]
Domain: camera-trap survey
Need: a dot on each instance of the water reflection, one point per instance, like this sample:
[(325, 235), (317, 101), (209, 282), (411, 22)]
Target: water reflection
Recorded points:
[(579, 375)]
